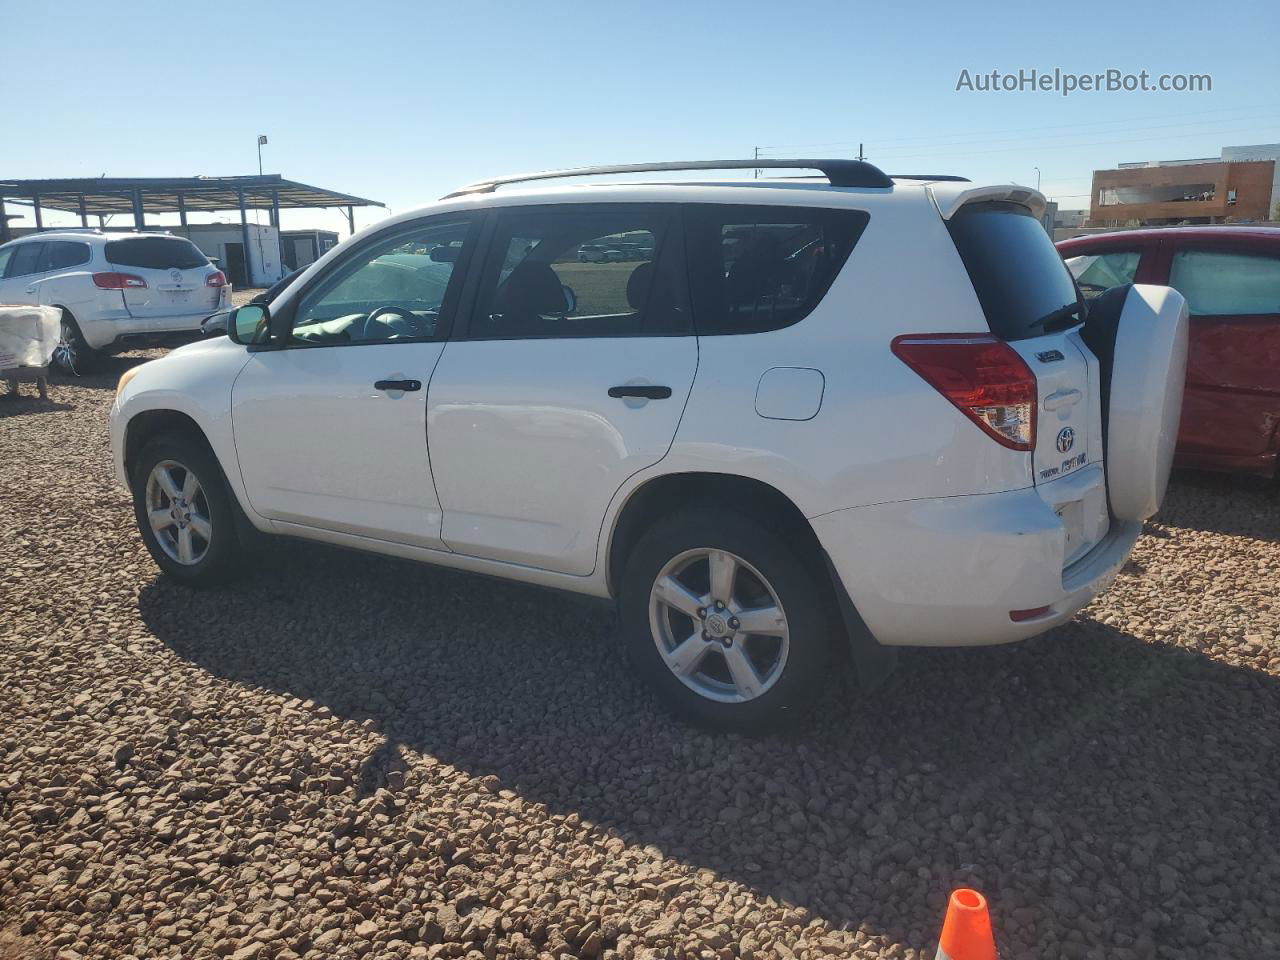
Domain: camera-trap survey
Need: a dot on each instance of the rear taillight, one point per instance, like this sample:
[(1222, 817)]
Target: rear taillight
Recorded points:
[(983, 376), (118, 281), (216, 279)]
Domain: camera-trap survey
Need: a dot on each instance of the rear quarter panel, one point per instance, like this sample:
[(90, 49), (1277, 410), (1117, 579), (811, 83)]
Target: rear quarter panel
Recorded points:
[(881, 434)]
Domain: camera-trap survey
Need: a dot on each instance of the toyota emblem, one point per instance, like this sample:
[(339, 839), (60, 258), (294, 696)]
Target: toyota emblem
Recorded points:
[(1066, 439)]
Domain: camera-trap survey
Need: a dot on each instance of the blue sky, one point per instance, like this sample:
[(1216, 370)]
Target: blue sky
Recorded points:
[(403, 101)]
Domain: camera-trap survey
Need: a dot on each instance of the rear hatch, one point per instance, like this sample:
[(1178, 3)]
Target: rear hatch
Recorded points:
[(1032, 304), (175, 272)]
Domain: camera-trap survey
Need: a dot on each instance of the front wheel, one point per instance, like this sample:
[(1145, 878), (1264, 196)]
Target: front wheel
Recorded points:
[(185, 512), (729, 623)]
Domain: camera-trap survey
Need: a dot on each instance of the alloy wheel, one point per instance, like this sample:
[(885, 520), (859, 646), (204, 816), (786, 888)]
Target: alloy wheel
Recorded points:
[(718, 625), (178, 512)]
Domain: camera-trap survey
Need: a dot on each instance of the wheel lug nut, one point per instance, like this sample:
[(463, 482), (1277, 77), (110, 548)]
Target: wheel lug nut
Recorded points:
[(719, 605), (705, 635), (702, 613), (733, 622)]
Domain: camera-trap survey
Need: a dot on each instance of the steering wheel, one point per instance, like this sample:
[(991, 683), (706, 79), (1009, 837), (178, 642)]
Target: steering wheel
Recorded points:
[(370, 333)]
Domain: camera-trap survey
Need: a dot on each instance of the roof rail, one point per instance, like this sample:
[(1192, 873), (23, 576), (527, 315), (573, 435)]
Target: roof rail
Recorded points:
[(841, 173), (945, 177)]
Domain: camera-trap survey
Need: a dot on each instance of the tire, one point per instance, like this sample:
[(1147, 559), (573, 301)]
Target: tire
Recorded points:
[(208, 559), (73, 354), (1139, 334), (789, 672)]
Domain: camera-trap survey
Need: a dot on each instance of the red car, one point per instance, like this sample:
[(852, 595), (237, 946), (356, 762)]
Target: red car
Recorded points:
[(1231, 278)]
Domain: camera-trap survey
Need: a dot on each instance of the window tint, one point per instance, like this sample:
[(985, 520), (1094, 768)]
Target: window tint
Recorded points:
[(761, 268), (61, 254), (1096, 273), (581, 271), (6, 254), (1218, 284), (395, 290), (25, 260), (156, 253), (1015, 269)]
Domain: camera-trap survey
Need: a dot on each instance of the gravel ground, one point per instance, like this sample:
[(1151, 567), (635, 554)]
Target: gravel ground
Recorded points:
[(347, 756), (240, 297)]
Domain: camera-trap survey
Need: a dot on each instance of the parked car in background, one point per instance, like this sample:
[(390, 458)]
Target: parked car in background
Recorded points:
[(112, 288), (598, 253), (781, 438), (1230, 276)]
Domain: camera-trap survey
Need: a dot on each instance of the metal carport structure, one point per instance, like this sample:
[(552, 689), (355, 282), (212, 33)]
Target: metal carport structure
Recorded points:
[(138, 196)]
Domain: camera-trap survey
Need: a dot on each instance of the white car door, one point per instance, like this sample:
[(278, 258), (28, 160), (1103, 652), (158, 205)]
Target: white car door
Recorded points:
[(21, 283), (331, 428), (568, 378)]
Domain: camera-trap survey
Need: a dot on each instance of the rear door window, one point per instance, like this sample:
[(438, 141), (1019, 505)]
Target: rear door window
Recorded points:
[(1096, 273), (25, 260), (1016, 271), (582, 270), (156, 253), (1218, 283), (63, 254), (757, 268)]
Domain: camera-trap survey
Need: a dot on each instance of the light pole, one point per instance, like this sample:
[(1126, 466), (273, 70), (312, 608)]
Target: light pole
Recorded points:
[(1037, 170), (257, 213)]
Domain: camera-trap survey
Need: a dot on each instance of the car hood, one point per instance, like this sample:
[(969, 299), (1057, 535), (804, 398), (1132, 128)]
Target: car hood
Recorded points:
[(213, 344)]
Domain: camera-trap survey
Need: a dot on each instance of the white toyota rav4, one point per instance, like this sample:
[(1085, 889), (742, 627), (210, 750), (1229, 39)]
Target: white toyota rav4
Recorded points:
[(817, 416)]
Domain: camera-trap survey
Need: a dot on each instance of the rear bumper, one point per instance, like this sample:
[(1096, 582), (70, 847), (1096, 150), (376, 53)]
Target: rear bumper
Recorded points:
[(946, 572), (115, 328)]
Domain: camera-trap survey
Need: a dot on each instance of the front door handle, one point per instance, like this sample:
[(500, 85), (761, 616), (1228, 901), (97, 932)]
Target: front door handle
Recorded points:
[(640, 390), (406, 385)]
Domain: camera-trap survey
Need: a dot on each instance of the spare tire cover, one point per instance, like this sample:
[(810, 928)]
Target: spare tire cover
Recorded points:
[(1139, 334)]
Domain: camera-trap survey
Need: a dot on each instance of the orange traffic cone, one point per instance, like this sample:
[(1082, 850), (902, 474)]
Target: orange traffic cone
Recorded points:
[(966, 932)]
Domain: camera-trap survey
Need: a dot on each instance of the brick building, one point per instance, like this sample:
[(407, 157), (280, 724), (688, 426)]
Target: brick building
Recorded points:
[(1241, 185)]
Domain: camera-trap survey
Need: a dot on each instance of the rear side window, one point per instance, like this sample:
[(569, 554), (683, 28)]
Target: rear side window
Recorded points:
[(1096, 273), (761, 268), (61, 254), (1016, 271), (589, 270), (25, 260), (1226, 284), (156, 253)]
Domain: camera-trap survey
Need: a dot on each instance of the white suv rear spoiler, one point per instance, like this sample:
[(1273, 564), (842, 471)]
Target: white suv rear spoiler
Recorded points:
[(950, 197)]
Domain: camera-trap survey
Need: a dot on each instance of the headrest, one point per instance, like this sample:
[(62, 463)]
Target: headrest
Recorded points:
[(638, 285)]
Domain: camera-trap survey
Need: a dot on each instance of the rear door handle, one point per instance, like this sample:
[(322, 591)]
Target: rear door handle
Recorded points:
[(1063, 398), (640, 390), (406, 385)]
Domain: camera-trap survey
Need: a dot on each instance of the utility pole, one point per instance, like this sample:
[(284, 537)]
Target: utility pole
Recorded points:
[(861, 156), (262, 139), (1037, 170), (756, 156)]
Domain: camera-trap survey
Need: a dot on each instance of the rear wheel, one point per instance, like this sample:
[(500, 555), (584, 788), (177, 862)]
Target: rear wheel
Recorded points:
[(72, 353), (727, 621), (184, 511)]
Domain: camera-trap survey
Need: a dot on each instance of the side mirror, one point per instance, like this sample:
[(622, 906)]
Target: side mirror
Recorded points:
[(250, 324)]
